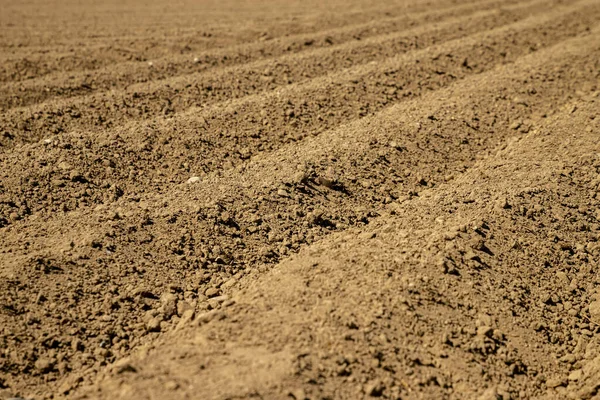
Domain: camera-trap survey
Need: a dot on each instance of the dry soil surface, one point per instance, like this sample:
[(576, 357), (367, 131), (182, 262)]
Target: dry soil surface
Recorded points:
[(286, 199)]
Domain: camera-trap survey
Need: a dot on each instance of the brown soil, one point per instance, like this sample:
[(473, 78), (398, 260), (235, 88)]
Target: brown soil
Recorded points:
[(300, 199)]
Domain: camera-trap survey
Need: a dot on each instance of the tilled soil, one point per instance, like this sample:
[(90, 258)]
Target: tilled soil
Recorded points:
[(295, 200)]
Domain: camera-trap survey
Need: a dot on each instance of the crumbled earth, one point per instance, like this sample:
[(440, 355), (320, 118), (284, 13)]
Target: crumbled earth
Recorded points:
[(301, 200)]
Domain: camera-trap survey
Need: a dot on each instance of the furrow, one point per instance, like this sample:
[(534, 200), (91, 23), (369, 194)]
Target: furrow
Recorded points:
[(231, 221), (105, 52), (490, 251), (225, 136), (97, 112)]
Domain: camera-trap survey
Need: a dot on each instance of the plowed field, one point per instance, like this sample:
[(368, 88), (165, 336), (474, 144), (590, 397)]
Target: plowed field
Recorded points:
[(284, 199)]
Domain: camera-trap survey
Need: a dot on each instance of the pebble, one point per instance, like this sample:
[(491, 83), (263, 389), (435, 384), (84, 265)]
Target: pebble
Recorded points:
[(186, 318), (75, 176), (594, 310), (220, 299), (516, 125), (298, 394), (193, 179), (283, 193), (182, 307), (484, 331), (76, 345), (209, 316), (367, 235), (171, 385), (153, 325), (325, 181), (212, 292), (489, 394), (230, 283), (555, 382), (169, 304), (576, 375), (374, 388), (123, 366), (502, 203), (568, 358), (300, 178), (562, 277), (44, 365)]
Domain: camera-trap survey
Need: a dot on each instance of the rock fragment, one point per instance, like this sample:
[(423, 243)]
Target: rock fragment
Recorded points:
[(212, 292), (555, 382), (153, 325), (374, 388), (594, 310), (44, 365)]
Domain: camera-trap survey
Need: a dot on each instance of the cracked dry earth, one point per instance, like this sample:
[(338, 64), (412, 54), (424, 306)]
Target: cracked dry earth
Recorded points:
[(300, 199)]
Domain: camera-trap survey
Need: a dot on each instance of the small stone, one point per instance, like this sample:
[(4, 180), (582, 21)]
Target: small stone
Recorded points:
[(374, 388), (484, 331), (328, 179), (153, 325), (367, 235), (196, 60), (101, 353), (576, 375), (594, 310), (186, 318), (220, 299), (64, 166), (212, 292), (63, 389), (315, 217), (324, 181), (44, 365), (58, 183), (171, 385), (75, 176), (108, 163), (193, 179), (568, 358), (300, 178), (124, 366), (298, 394), (502, 203), (489, 394), (562, 277), (555, 382), (283, 193), (76, 345), (182, 307), (230, 283), (169, 304), (209, 316)]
